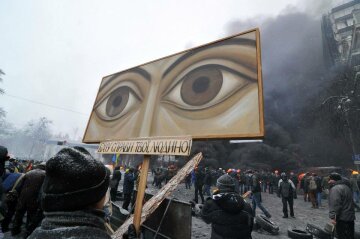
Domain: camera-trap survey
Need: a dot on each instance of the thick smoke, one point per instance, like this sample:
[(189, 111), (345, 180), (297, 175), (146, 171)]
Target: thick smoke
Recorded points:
[(295, 84), (298, 133)]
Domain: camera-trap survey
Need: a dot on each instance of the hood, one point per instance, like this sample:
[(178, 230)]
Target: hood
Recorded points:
[(344, 182), (229, 202)]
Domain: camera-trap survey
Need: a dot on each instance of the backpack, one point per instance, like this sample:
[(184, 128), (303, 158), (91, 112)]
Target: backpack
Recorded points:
[(312, 184), (13, 194), (285, 188)]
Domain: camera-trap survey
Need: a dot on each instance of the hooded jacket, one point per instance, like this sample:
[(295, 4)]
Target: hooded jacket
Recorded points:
[(230, 216), (341, 204)]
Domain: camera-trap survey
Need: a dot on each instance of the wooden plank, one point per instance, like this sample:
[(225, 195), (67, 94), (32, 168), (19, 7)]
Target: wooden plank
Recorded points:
[(151, 205), (141, 192)]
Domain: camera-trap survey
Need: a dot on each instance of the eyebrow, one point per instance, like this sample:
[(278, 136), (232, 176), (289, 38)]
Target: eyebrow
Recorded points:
[(137, 70), (234, 41)]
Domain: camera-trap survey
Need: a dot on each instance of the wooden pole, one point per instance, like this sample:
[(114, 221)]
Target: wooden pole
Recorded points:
[(151, 205), (141, 192)]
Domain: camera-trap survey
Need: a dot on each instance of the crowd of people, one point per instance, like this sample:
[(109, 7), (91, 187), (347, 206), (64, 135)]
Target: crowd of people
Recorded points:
[(65, 197), (342, 195), (69, 196)]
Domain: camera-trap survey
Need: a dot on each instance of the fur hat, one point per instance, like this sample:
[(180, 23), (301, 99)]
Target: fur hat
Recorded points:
[(74, 180), (225, 183), (335, 176)]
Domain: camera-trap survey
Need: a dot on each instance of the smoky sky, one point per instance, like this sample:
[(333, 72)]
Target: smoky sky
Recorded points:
[(295, 83), (292, 61)]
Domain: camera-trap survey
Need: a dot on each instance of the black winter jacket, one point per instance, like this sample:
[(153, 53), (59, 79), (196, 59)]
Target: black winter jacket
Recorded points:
[(199, 178), (230, 216), (3, 158), (208, 178), (129, 180), (256, 188), (115, 180), (88, 224)]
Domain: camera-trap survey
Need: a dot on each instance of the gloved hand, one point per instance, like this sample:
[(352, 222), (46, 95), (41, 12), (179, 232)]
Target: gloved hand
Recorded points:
[(131, 233)]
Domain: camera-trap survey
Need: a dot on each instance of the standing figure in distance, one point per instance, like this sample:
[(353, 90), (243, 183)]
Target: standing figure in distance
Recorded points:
[(286, 191), (128, 187), (256, 195)]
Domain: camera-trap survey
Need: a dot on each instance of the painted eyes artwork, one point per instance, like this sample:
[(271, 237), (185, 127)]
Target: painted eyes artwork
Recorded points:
[(212, 91)]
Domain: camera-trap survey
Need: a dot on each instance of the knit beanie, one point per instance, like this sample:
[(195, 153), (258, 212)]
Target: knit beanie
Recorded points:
[(74, 180), (225, 183)]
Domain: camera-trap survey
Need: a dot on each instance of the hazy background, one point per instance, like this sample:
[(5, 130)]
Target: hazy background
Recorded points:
[(56, 52)]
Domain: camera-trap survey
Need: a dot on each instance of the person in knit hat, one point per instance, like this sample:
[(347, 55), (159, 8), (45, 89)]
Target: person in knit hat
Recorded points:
[(341, 206), (73, 197), (230, 216)]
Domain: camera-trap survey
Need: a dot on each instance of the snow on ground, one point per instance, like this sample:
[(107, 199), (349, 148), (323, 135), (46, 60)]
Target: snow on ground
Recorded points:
[(303, 214)]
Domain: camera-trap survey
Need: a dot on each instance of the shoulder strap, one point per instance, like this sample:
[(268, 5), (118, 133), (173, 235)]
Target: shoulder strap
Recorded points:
[(17, 181)]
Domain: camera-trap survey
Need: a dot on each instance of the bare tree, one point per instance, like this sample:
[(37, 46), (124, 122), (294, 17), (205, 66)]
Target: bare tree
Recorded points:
[(1, 90), (345, 111)]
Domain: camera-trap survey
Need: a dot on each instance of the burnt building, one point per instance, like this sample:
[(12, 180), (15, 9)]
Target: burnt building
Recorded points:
[(341, 33)]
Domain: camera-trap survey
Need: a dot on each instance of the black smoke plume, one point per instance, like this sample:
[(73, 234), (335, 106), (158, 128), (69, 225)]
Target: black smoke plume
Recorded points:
[(296, 82)]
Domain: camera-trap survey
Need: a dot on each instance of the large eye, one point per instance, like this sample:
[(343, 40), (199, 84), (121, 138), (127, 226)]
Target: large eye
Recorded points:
[(208, 85), (201, 85), (118, 102)]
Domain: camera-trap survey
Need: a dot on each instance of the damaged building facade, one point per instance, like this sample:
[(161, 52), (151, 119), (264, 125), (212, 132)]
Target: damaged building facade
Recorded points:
[(341, 35), (341, 49)]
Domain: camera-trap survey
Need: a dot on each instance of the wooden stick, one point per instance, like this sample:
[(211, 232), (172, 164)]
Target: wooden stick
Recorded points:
[(141, 192), (151, 205)]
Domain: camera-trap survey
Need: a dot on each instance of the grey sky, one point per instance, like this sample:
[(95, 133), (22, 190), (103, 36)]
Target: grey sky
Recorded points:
[(56, 52)]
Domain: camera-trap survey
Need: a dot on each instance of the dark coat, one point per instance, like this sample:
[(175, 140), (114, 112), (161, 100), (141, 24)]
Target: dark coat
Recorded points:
[(199, 178), (341, 204), (256, 188), (115, 180), (318, 181), (230, 216), (30, 189), (88, 224), (208, 178), (129, 180), (3, 158)]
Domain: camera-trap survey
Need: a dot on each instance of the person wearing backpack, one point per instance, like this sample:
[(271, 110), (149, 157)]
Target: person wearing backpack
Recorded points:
[(313, 190), (286, 191), (11, 184), (230, 216)]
